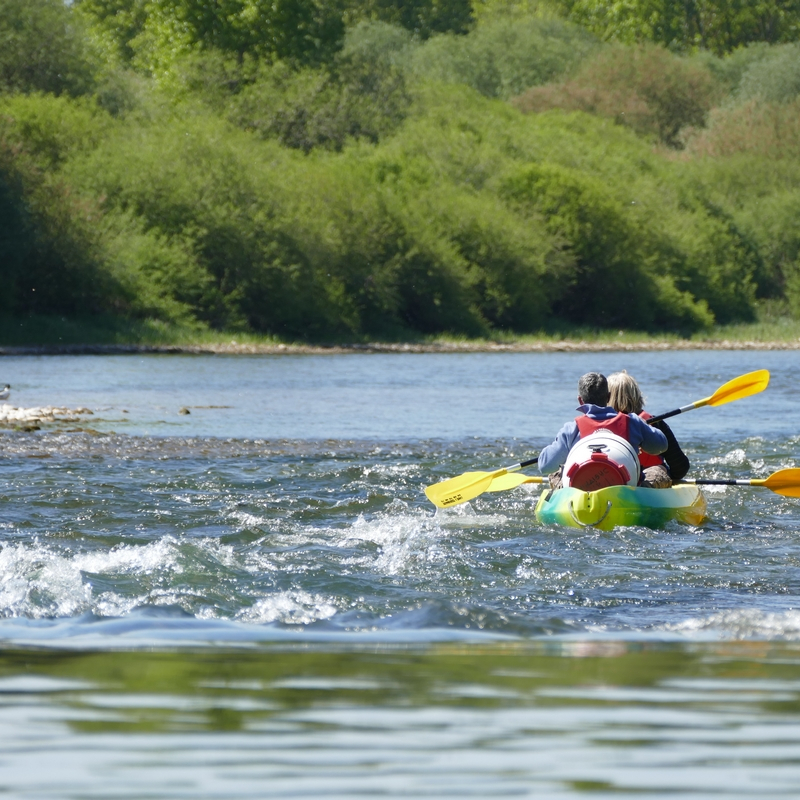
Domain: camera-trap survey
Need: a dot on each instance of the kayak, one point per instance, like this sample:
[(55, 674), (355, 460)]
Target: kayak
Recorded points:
[(621, 505)]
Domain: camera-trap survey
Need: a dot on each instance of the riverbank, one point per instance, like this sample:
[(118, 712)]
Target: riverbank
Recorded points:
[(107, 335), (235, 348)]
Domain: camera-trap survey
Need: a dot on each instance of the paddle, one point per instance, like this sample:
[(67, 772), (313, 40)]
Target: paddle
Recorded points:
[(511, 480), (784, 481), (465, 487), (738, 388)]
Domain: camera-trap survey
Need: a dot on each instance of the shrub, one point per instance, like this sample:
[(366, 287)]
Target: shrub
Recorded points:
[(49, 252), (774, 78), (646, 88), (52, 129), (424, 18), (43, 48), (505, 55), (223, 199), (361, 94), (615, 283), (768, 129), (729, 69), (719, 26)]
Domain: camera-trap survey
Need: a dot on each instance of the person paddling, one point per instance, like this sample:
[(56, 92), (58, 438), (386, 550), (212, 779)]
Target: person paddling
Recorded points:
[(658, 471), (597, 415)]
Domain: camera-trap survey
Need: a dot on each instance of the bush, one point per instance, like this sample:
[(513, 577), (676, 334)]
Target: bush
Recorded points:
[(423, 18), (361, 94), (767, 129), (417, 254), (469, 218), (505, 55), (49, 252), (222, 198), (646, 88), (52, 129), (719, 26), (60, 252), (43, 48), (615, 283), (774, 78), (729, 69)]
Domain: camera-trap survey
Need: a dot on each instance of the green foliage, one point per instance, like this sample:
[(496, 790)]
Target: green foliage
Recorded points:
[(719, 26), (316, 183), (614, 284), (760, 194), (115, 25), (647, 88), (42, 48), (361, 95), (774, 78), (729, 68), (424, 18), (52, 129), (486, 10), (48, 254), (505, 55), (205, 188), (153, 35)]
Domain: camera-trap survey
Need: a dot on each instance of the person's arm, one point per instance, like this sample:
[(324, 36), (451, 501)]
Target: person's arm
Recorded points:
[(652, 440), (676, 460), (555, 454)]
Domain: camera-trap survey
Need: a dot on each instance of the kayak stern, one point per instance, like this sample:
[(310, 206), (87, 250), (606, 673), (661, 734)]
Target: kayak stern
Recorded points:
[(621, 505)]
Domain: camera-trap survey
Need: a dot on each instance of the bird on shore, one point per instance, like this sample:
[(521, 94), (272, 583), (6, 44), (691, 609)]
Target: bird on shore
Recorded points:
[(5, 392)]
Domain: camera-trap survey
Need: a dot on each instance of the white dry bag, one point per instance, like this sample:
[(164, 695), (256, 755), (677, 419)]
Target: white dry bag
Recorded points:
[(601, 459)]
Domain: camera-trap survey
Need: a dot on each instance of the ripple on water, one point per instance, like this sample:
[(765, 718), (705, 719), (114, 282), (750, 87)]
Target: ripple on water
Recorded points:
[(303, 534)]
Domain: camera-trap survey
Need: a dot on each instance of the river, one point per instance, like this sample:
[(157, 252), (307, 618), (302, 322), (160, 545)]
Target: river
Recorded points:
[(255, 599)]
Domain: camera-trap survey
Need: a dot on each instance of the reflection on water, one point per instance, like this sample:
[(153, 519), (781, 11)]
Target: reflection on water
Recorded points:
[(557, 718)]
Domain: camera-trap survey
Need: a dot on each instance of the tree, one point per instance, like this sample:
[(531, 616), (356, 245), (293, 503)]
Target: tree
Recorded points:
[(422, 17), (152, 34), (716, 25), (42, 48)]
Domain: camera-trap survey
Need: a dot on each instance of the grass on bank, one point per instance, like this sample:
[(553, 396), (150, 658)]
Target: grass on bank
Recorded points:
[(773, 325), (40, 329)]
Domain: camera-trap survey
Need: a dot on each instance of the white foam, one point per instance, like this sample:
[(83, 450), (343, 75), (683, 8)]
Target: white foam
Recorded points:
[(290, 608), (38, 582), (742, 624), (731, 458)]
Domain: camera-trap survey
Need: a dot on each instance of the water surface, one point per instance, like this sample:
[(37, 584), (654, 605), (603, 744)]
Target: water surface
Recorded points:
[(258, 593)]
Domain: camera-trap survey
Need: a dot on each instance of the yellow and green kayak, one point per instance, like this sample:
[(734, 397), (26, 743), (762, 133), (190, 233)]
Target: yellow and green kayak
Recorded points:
[(621, 505)]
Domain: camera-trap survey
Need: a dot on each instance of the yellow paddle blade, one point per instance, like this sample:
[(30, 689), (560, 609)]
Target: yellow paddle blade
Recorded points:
[(461, 489), (511, 480), (784, 481), (736, 389)]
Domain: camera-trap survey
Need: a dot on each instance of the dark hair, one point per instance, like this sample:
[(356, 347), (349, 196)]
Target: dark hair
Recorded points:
[(593, 388)]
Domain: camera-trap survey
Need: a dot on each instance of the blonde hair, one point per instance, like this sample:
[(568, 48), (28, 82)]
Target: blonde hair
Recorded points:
[(625, 393)]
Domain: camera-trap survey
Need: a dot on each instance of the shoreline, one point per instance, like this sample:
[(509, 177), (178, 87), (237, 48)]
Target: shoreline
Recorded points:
[(378, 347)]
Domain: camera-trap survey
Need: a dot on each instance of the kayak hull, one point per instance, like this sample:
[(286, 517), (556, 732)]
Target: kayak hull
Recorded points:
[(621, 505)]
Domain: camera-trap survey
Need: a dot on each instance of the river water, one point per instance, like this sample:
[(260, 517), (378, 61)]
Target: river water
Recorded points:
[(255, 599)]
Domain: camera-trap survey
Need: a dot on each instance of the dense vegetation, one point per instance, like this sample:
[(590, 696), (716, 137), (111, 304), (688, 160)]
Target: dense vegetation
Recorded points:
[(380, 169)]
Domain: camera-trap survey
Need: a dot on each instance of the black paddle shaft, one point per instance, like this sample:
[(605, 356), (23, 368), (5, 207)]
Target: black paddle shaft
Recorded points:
[(668, 415), (716, 482)]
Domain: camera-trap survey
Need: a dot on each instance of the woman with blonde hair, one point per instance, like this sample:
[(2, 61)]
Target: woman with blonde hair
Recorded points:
[(660, 471)]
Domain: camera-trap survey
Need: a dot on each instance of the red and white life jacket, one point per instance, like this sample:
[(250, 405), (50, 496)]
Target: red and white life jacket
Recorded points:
[(602, 456)]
